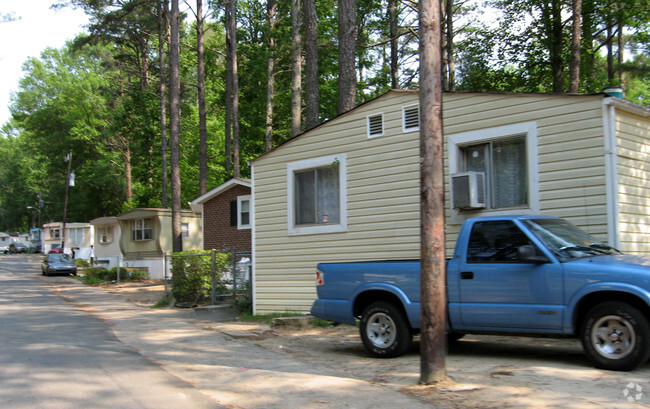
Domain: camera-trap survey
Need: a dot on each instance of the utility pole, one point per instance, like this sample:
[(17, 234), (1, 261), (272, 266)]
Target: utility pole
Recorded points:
[(68, 183), (433, 297)]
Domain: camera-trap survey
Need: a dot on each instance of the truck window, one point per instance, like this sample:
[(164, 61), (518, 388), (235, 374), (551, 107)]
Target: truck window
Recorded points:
[(495, 242)]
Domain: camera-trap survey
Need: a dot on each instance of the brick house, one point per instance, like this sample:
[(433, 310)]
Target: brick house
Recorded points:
[(226, 214)]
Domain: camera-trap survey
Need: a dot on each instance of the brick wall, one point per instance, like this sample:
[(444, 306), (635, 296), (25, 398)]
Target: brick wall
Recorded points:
[(217, 231)]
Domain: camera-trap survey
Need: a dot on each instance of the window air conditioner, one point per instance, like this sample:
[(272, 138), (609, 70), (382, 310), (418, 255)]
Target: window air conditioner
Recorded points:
[(468, 190)]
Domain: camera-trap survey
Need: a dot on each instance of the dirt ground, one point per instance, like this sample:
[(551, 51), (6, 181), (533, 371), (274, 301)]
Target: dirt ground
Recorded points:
[(483, 371)]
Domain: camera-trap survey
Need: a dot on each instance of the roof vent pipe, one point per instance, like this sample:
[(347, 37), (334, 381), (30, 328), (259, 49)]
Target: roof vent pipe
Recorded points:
[(614, 91)]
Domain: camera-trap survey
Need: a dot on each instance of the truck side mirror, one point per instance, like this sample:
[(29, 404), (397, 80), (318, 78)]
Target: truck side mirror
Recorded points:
[(528, 254)]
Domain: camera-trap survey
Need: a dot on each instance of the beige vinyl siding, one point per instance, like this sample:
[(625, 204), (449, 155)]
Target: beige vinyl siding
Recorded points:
[(633, 171), (383, 183)]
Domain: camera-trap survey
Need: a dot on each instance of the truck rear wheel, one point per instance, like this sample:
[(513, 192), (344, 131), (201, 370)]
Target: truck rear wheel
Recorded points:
[(616, 336), (384, 330)]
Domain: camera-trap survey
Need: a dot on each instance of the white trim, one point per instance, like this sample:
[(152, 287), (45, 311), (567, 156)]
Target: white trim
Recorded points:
[(381, 116), (529, 129), (411, 129), (253, 241), (219, 189), (611, 176), (241, 199), (314, 163)]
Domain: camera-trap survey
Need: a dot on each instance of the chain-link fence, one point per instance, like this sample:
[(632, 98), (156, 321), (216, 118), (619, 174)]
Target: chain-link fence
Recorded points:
[(209, 276)]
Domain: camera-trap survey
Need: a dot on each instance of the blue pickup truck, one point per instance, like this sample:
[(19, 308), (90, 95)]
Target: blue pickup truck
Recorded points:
[(519, 275)]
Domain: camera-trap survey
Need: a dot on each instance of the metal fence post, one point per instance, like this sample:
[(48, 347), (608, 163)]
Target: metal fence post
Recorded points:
[(165, 271), (213, 293), (119, 264)]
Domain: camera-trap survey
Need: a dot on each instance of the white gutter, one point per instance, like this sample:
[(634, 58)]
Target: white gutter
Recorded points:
[(611, 171)]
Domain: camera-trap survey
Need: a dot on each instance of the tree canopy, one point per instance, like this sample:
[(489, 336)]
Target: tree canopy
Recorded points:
[(99, 96)]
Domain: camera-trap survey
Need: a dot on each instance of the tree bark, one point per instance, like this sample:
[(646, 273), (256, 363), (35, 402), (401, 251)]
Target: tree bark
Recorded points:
[(175, 127), (451, 66), (576, 39), (312, 96), (296, 67), (394, 44), (432, 225), (557, 63), (347, 45), (163, 36), (270, 85), (200, 76)]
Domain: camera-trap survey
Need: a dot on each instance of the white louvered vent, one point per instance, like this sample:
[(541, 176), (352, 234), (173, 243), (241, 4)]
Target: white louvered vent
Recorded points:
[(375, 125), (411, 116)]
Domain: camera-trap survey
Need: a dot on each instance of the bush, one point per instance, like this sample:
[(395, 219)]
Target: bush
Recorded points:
[(139, 275), (98, 275), (192, 275), (79, 262)]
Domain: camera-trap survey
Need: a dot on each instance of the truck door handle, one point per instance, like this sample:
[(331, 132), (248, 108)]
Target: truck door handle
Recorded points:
[(466, 275)]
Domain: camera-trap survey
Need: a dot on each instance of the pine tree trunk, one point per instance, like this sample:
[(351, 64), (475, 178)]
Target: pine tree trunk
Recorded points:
[(175, 127), (347, 47), (296, 67), (394, 44), (163, 37), (270, 86), (312, 96), (576, 39), (203, 131)]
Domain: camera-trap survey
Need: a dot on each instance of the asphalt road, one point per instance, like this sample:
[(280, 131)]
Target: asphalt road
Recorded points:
[(55, 355)]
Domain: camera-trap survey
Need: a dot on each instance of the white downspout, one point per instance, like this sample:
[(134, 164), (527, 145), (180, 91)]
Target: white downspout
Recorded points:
[(253, 234), (611, 173)]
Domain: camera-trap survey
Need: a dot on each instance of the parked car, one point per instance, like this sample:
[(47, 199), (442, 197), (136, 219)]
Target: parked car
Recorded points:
[(57, 263), (4, 249), (17, 247)]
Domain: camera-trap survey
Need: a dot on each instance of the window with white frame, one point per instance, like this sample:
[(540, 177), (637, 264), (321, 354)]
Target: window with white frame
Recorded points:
[(142, 229), (507, 156), (185, 230), (76, 236), (411, 118), (317, 198), (105, 234), (244, 212), (55, 233)]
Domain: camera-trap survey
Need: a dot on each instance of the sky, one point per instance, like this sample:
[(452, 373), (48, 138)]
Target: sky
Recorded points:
[(36, 28)]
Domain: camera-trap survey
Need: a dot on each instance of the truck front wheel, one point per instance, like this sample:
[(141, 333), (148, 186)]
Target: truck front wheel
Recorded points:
[(384, 330), (616, 336)]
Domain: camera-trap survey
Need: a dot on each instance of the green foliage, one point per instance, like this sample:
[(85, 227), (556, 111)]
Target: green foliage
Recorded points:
[(165, 301), (192, 275), (98, 96), (99, 275)]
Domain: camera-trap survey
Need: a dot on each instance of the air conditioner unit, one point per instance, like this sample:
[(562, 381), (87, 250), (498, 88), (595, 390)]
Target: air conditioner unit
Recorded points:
[(468, 190)]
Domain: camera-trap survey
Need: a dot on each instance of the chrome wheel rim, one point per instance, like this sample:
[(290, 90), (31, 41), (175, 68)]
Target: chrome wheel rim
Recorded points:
[(381, 330), (613, 337)]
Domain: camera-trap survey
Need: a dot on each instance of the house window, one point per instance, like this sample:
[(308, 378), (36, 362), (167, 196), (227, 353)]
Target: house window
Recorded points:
[(142, 230), (185, 230), (504, 163), (411, 118), (76, 236), (375, 125), (55, 233), (244, 212), (317, 195), (105, 234), (507, 156)]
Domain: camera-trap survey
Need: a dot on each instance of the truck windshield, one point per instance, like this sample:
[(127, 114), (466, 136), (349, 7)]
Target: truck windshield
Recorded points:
[(566, 240)]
